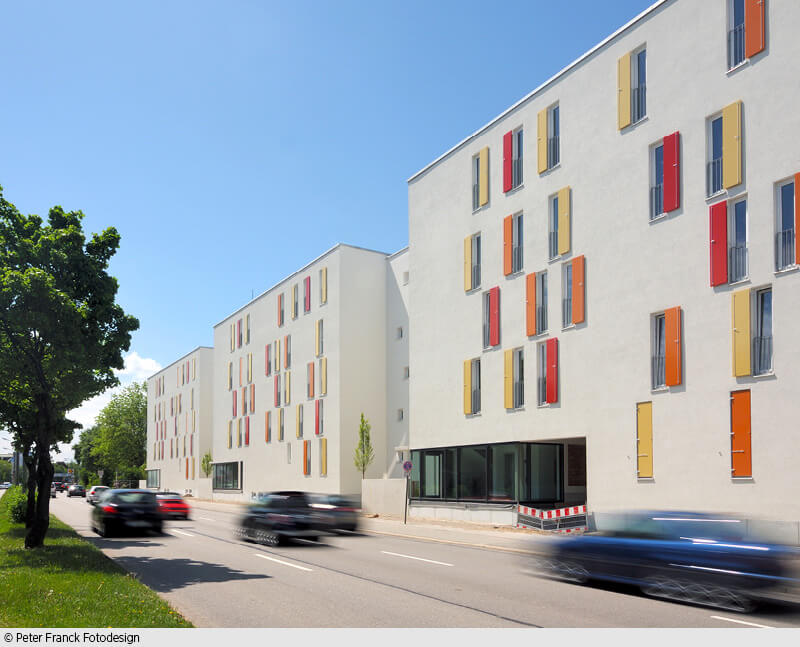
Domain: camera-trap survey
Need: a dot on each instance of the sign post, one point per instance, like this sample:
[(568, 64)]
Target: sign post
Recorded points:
[(407, 470)]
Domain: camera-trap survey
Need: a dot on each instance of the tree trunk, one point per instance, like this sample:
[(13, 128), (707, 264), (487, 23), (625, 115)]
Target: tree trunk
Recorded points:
[(30, 463), (44, 478)]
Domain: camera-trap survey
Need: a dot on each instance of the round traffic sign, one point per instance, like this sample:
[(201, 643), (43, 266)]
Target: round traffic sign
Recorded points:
[(407, 467)]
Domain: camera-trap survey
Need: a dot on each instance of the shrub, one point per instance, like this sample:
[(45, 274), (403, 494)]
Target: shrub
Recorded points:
[(16, 503)]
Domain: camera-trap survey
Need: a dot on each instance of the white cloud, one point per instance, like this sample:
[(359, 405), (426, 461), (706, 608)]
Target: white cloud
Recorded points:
[(138, 368)]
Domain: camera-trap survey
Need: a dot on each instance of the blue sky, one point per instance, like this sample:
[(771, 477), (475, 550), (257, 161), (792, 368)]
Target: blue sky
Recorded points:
[(232, 142)]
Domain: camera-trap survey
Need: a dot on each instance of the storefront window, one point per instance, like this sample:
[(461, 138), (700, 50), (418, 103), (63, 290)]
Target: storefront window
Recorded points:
[(432, 472), (451, 473), (503, 472), (472, 472), (545, 477), (414, 490)]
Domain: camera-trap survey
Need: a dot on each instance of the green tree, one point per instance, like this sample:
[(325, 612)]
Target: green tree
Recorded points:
[(5, 471), (89, 463), (364, 454), (205, 464), (61, 333), (122, 433)]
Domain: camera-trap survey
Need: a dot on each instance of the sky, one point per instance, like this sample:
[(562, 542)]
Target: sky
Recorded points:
[(232, 142)]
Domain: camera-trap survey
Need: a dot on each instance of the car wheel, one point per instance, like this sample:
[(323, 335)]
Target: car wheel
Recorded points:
[(569, 571), (158, 529), (102, 529)]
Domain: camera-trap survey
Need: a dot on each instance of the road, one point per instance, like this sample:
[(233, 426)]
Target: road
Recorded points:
[(378, 579)]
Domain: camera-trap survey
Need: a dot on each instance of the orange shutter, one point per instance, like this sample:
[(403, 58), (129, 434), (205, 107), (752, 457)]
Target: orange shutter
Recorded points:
[(305, 457), (267, 421), (753, 27), (507, 226), (672, 345), (741, 458), (578, 289), (530, 304)]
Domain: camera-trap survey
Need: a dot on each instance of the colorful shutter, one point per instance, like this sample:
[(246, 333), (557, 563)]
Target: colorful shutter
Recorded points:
[(541, 139), (323, 376), (287, 387), (277, 355), (267, 363), (507, 244), (323, 455), (235, 401), (740, 305), (530, 304), (317, 337), (324, 285), (797, 218), (732, 144), (718, 231), (754, 40), (673, 344), (578, 289), (644, 440), (508, 379), (624, 91), (467, 263), (311, 379), (247, 431), (741, 456), (552, 370), (306, 471), (244, 401), (564, 209), (297, 420), (252, 397), (672, 172), (494, 316), (316, 417), (483, 182), (277, 391), (267, 426), (307, 295), (467, 387), (280, 424), (233, 337), (508, 154)]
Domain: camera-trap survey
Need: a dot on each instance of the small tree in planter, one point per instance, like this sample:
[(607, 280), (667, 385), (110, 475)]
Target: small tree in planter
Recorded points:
[(364, 455), (205, 464)]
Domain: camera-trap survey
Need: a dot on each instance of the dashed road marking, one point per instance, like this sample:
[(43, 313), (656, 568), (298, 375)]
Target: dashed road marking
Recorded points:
[(205, 518), (180, 532), (421, 559), (280, 561), (742, 622)]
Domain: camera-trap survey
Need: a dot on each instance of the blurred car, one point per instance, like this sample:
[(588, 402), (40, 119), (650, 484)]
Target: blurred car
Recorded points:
[(5, 486), (94, 493), (120, 510), (336, 512), (274, 517), (58, 485), (76, 490), (171, 504), (53, 490), (685, 556)]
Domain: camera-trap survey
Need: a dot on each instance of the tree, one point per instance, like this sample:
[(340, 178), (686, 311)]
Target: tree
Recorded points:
[(5, 471), (363, 455), (61, 334), (89, 463), (121, 439), (205, 464)]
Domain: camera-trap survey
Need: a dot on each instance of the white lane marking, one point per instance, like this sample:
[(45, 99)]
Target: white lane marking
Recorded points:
[(742, 622), (280, 561), (180, 532), (430, 561), (205, 518)]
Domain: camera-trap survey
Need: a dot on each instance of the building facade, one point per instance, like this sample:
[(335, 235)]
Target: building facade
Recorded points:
[(610, 286)]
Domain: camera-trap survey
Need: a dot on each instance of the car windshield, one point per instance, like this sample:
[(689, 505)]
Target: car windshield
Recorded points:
[(135, 497)]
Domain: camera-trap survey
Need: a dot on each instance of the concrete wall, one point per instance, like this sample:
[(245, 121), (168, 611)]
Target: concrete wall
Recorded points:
[(383, 496), (397, 279), (634, 268)]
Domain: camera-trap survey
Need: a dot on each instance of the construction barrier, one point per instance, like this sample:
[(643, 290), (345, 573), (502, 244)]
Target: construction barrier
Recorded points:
[(564, 520)]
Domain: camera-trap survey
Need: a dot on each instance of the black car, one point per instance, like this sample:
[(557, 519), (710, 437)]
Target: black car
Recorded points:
[(336, 512), (276, 516), (76, 490), (121, 510), (686, 556)]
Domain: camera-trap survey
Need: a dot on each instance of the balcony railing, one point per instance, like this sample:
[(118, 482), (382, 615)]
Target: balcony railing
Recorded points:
[(735, 46), (658, 371), (784, 249), (656, 201), (519, 394), (553, 244), (541, 390), (762, 355), (638, 103), (476, 400), (737, 263), (714, 176), (552, 151), (516, 172), (566, 311), (541, 319), (476, 276), (475, 196), (516, 259)]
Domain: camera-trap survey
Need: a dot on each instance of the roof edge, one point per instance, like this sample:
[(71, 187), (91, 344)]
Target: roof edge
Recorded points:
[(180, 359)]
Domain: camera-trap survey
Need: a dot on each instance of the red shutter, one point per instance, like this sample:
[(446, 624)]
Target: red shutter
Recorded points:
[(308, 293), (718, 217), (316, 417), (247, 430), (753, 27), (552, 370), (672, 172), (494, 316), (530, 304), (507, 237), (277, 394), (508, 152)]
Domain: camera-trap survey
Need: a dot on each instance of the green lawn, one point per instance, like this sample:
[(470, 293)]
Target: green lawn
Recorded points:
[(70, 583)]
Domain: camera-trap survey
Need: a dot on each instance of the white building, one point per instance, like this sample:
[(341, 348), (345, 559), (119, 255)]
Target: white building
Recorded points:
[(573, 314)]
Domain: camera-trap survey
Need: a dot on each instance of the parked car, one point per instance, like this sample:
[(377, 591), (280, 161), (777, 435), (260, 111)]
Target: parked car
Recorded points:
[(53, 490), (686, 556), (121, 510), (5, 486), (94, 493), (277, 516), (336, 512), (171, 504), (76, 490)]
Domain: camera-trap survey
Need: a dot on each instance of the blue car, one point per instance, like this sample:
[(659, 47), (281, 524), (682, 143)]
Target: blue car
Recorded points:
[(686, 556)]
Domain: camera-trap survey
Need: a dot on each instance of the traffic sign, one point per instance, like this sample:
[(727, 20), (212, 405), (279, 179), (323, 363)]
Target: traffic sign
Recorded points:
[(407, 467)]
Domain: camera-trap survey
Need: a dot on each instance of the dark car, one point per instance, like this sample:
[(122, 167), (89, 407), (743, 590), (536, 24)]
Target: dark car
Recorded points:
[(93, 495), (76, 490), (171, 504), (276, 516), (119, 510), (685, 556), (336, 512)]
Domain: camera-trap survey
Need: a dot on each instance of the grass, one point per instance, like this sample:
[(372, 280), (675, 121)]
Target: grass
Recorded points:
[(70, 583)]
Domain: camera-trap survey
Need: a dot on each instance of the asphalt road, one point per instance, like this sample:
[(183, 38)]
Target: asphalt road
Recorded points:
[(377, 580)]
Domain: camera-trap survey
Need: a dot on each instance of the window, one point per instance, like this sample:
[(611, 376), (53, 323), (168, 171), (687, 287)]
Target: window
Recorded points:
[(519, 378), (541, 302), (553, 133), (737, 242), (639, 85), (299, 421), (714, 165), (656, 181), (239, 333), (736, 48), (400, 332), (476, 174), (320, 425), (406, 372), (287, 387), (247, 330), (475, 385), (724, 149), (658, 361), (153, 478), (294, 301), (318, 337), (280, 424), (785, 245), (307, 294), (277, 390), (491, 317), (475, 261), (399, 414), (287, 351), (289, 453), (307, 457), (480, 179), (762, 340), (512, 159), (280, 309), (226, 476), (541, 380), (553, 234), (516, 243), (566, 290), (405, 278), (268, 360), (547, 370), (230, 375)]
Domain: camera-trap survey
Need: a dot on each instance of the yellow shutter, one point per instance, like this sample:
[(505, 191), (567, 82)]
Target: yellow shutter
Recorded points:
[(541, 122), (508, 379), (467, 263), (297, 421), (324, 284), (230, 434), (468, 386), (741, 332), (732, 144), (233, 338), (483, 189), (624, 91), (564, 209), (316, 338), (323, 376), (644, 440), (323, 454), (280, 424), (287, 388)]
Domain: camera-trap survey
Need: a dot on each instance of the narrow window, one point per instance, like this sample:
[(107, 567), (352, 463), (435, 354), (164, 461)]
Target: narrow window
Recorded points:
[(399, 414), (714, 165), (299, 420), (288, 351), (541, 380), (656, 181), (487, 310), (405, 278), (476, 174), (554, 129), (638, 85), (659, 352), (247, 330), (295, 298), (553, 237), (516, 243), (566, 300), (736, 39), (289, 453), (519, 378), (406, 372), (762, 341), (475, 370), (516, 159), (541, 302), (476, 261), (399, 332), (785, 238), (737, 242)]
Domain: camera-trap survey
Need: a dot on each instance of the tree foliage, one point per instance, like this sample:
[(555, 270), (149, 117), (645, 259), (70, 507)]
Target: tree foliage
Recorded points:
[(61, 335), (205, 464), (120, 445), (364, 454)]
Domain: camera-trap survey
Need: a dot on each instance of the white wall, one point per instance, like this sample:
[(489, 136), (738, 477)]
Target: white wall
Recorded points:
[(396, 362)]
